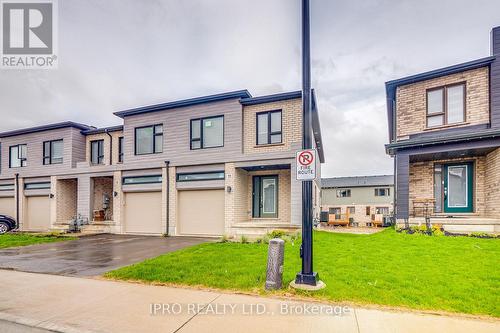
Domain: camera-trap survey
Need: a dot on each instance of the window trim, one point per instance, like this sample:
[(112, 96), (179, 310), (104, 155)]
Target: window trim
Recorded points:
[(25, 160), (269, 133), (121, 142), (444, 88), (99, 157), (46, 187), (386, 189), (337, 192), (198, 173), (143, 182), (200, 140), (154, 141), (49, 156)]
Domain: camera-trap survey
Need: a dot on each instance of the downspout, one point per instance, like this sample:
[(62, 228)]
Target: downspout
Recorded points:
[(167, 163), (17, 201), (110, 146)]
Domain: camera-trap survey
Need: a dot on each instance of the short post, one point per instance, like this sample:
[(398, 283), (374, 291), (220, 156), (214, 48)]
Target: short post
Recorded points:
[(275, 259)]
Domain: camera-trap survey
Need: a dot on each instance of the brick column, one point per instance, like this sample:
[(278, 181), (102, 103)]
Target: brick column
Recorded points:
[(229, 197), (53, 201), (117, 202), (172, 213)]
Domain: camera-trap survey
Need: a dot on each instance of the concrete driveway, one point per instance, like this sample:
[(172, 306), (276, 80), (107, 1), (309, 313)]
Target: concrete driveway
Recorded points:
[(91, 255)]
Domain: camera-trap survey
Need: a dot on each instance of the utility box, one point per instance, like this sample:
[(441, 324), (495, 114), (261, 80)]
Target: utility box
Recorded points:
[(275, 259)]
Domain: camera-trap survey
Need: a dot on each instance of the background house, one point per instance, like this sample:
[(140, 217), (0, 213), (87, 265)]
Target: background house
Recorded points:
[(360, 197)]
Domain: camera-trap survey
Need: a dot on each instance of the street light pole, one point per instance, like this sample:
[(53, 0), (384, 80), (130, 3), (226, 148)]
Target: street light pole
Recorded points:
[(306, 276)]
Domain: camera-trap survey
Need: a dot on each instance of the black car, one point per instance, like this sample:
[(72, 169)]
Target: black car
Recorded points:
[(6, 223)]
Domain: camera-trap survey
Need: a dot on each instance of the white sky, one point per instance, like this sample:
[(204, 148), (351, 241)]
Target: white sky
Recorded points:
[(119, 54)]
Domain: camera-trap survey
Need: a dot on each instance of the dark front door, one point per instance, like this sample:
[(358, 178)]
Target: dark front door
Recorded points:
[(265, 196), (458, 188)]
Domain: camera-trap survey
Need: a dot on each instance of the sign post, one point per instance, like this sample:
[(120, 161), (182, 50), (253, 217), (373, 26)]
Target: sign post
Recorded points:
[(306, 165)]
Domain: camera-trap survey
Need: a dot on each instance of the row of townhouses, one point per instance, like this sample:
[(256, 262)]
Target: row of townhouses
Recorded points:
[(444, 132), (212, 165), (358, 200)]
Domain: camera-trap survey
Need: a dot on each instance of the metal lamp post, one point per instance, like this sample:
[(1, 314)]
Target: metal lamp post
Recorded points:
[(306, 277)]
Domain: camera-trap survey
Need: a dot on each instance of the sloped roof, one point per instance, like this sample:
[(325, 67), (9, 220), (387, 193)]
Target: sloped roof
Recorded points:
[(357, 181)]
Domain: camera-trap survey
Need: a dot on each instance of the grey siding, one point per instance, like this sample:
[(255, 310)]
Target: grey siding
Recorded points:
[(402, 185), (495, 79), (34, 142), (359, 196)]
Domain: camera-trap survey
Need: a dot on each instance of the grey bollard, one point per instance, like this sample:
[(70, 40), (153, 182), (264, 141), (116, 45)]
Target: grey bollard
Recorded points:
[(275, 258)]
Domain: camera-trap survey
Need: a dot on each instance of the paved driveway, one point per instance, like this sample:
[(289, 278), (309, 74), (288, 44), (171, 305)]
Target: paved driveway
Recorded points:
[(92, 255)]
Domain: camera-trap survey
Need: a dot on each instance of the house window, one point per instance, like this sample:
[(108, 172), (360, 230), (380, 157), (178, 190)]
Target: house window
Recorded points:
[(194, 176), (6, 187), (265, 197), (382, 210), (446, 105), (337, 211), (149, 140), (97, 152), (351, 210), (382, 192), (37, 186), (120, 149), (142, 180), (438, 188), (345, 193), (53, 152), (18, 156), (207, 132), (269, 127), (368, 210)]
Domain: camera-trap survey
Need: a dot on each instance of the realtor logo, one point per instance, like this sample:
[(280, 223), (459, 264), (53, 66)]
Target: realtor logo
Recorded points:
[(29, 38)]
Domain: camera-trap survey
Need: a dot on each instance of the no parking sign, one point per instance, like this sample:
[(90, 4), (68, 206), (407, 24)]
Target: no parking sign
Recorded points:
[(306, 164)]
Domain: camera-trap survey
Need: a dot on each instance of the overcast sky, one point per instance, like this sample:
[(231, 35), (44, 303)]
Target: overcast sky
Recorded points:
[(115, 55)]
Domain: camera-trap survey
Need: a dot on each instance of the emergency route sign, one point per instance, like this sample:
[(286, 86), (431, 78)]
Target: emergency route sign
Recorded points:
[(306, 164)]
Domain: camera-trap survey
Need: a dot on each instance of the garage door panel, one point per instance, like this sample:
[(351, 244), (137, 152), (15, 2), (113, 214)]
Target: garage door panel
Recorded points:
[(37, 213), (201, 212), (143, 213), (8, 206)]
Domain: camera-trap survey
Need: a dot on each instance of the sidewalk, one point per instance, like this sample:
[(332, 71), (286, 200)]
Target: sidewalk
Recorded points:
[(70, 304)]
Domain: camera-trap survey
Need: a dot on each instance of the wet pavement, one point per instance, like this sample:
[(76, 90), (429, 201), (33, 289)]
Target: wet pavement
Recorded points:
[(91, 255)]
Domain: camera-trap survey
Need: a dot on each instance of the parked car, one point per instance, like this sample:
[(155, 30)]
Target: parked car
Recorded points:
[(7, 223)]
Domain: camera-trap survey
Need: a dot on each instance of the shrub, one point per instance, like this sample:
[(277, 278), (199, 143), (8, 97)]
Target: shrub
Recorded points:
[(277, 234), (244, 239), (224, 239)]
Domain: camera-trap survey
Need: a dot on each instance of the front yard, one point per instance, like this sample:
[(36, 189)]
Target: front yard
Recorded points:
[(455, 274), (23, 239)]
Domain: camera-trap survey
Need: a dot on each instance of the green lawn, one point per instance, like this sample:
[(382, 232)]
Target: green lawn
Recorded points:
[(22, 239), (456, 274)]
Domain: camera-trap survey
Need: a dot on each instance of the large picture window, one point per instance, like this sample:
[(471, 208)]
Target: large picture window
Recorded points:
[(53, 152), (207, 132), (149, 140), (265, 197), (18, 156), (97, 152), (269, 129), (446, 105)]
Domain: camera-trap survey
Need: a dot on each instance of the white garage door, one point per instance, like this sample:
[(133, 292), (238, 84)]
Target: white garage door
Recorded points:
[(8, 206), (37, 214), (143, 213), (201, 212)]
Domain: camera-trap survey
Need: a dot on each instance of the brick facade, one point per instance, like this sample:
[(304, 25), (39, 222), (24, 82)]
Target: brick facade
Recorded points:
[(291, 126), (103, 136), (411, 101), (422, 181), (492, 184), (66, 200)]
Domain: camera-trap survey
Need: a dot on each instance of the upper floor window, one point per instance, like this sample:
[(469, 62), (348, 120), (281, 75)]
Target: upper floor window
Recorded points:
[(207, 132), (269, 127), (345, 193), (18, 156), (53, 152), (97, 152), (149, 140), (382, 192), (446, 105), (120, 149)]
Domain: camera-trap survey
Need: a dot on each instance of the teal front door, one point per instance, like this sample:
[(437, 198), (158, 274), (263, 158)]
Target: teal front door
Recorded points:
[(458, 188)]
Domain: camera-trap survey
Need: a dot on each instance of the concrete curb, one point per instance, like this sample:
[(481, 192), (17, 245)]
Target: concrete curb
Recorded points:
[(46, 325)]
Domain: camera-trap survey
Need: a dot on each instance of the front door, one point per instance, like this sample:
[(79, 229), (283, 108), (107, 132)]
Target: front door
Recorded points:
[(458, 188), (265, 196)]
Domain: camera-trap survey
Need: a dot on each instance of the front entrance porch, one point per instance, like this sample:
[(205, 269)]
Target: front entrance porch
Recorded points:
[(263, 199), (460, 224)]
